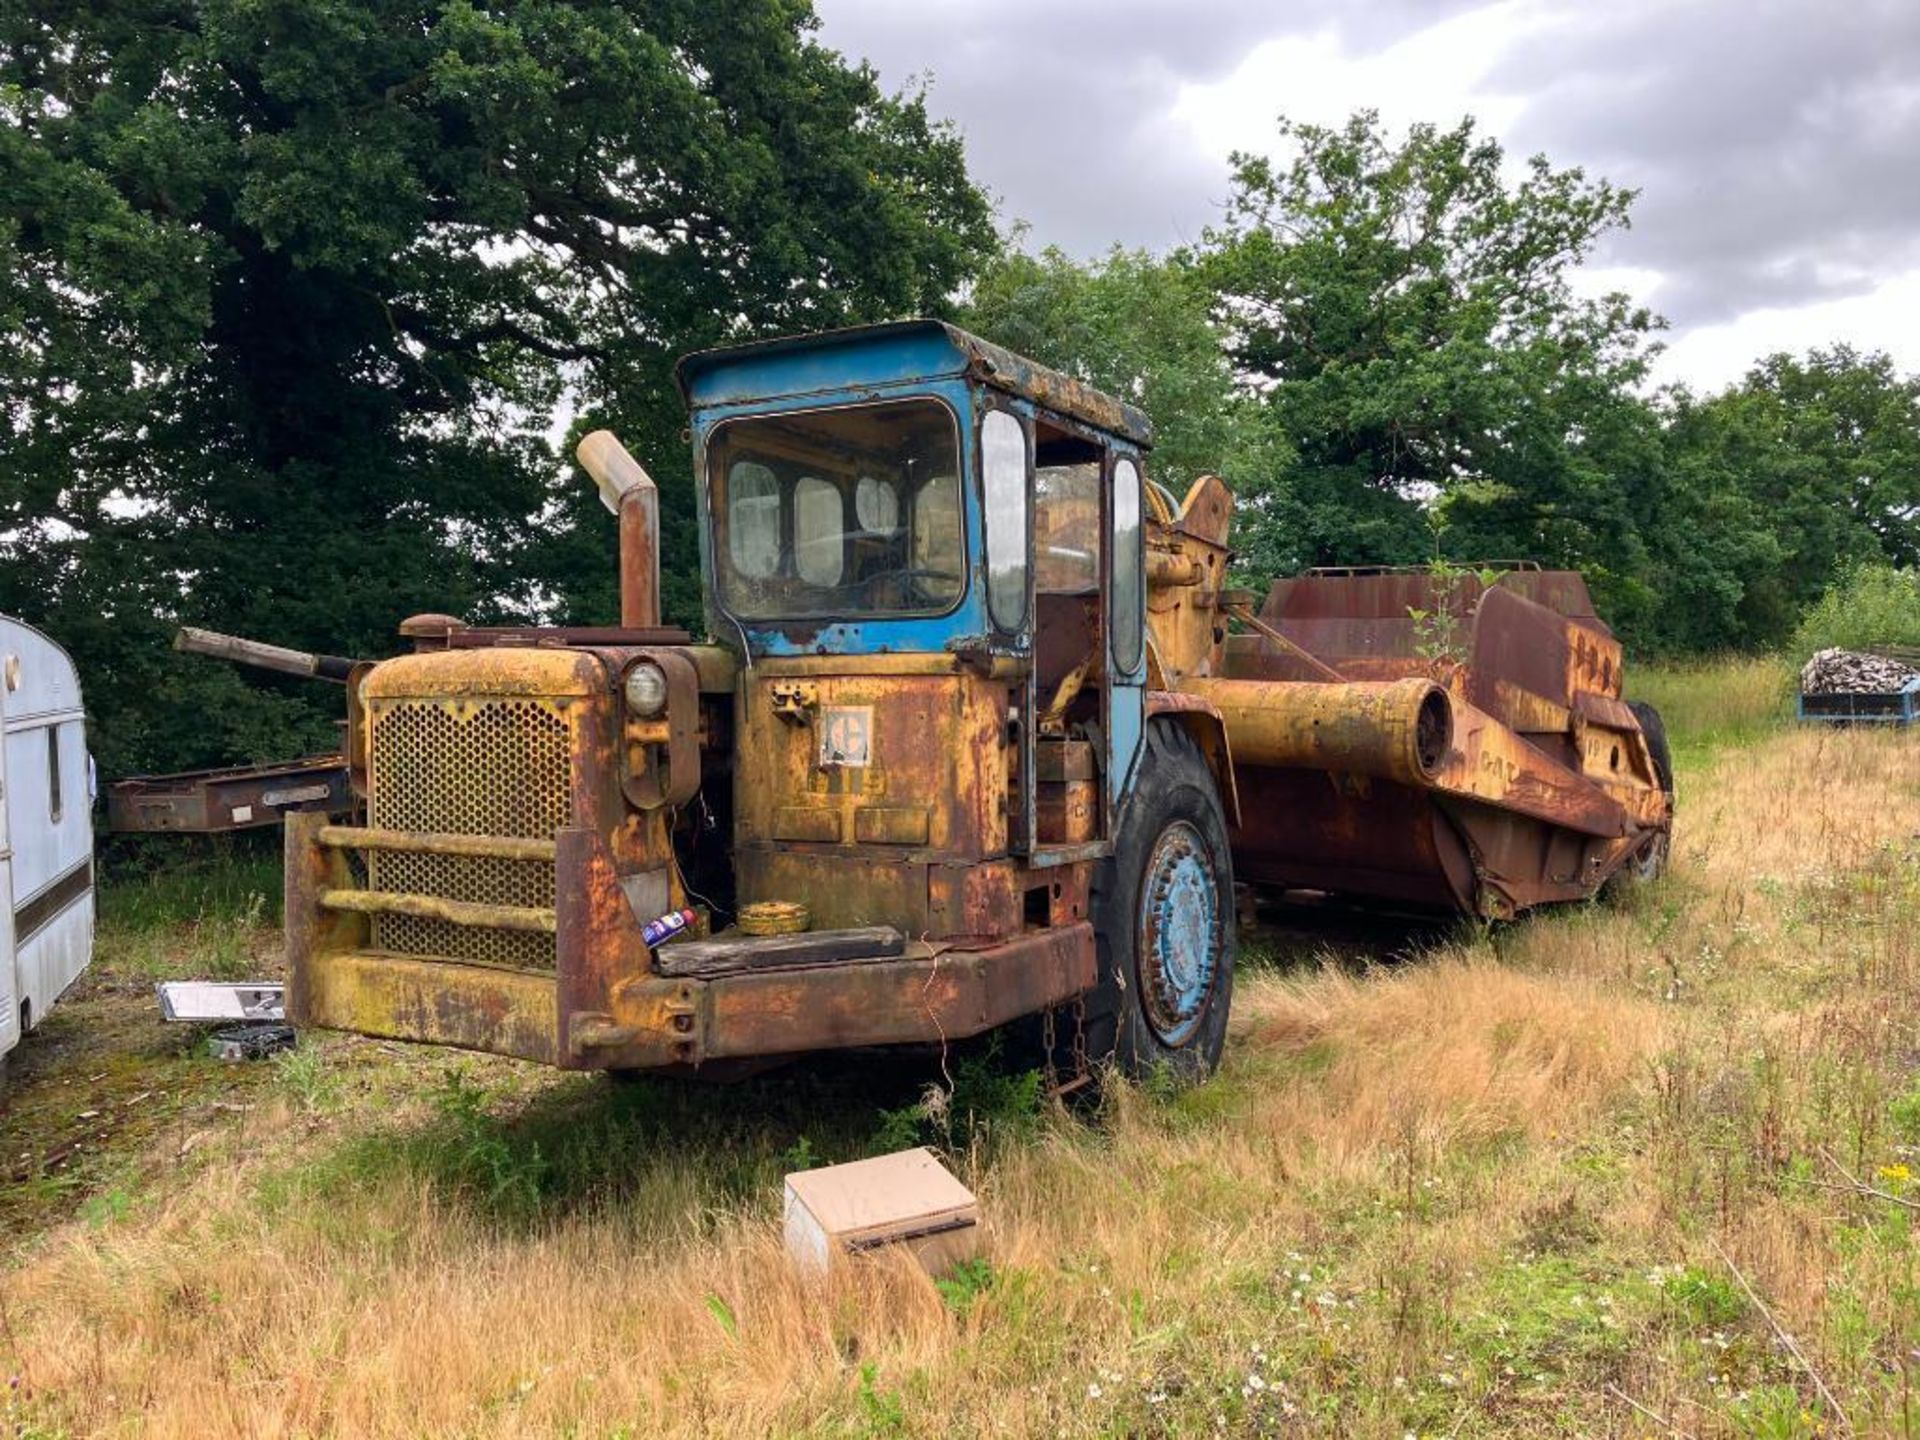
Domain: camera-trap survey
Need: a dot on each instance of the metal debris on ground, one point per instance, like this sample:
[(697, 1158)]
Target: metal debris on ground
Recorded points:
[(249, 1042), (1854, 672), (202, 1000)]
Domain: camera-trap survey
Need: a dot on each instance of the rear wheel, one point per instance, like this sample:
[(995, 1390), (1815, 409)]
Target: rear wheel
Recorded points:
[(1651, 863), (1162, 910)]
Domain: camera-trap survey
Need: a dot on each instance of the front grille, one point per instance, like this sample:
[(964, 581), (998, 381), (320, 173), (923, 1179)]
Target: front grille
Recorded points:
[(467, 767)]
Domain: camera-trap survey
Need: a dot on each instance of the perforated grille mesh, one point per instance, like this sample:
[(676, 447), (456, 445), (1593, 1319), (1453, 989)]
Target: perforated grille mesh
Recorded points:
[(481, 767)]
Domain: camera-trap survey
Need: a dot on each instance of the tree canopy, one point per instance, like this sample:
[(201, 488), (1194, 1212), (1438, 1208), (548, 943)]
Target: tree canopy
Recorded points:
[(294, 290), (1137, 327), (1384, 349), (1407, 313)]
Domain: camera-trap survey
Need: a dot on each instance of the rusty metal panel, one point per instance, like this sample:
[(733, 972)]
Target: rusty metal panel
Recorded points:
[(859, 782), (1208, 727), (825, 734), (841, 887), (1363, 614), (311, 869), (892, 1002), (892, 824), (1066, 812), (1521, 644), (607, 1002), (473, 1007), (816, 824), (978, 901), (241, 797)]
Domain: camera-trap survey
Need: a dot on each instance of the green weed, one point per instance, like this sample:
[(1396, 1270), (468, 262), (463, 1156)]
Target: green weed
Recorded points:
[(882, 1412), (964, 1284), (304, 1071)]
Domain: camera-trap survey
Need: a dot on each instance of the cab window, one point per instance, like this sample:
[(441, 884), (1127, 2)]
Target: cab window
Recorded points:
[(1127, 608), (847, 511), (753, 520), (1003, 468)]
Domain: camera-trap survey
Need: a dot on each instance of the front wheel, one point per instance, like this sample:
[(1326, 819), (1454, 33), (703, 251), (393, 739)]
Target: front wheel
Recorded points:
[(1162, 910)]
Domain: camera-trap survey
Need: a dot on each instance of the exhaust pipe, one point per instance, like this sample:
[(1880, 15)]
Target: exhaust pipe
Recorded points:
[(629, 492)]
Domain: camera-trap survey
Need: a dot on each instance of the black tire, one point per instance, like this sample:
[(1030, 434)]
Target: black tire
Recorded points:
[(1651, 863), (1655, 729), (1148, 1014)]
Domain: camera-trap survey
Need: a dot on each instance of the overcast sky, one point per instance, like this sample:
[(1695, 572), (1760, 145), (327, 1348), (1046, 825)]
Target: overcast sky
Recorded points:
[(1776, 143)]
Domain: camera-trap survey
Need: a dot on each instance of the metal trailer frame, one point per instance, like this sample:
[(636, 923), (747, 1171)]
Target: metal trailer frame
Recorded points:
[(240, 797), (1898, 707)]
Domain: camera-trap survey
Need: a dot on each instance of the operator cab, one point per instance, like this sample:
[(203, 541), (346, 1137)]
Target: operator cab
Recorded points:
[(899, 502)]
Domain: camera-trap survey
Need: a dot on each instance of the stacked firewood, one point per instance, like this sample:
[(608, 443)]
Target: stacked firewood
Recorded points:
[(1853, 672)]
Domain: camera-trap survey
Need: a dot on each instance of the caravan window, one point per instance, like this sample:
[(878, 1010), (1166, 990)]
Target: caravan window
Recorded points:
[(54, 806)]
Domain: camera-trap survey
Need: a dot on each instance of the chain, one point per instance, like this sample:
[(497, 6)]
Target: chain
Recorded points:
[(1082, 1069)]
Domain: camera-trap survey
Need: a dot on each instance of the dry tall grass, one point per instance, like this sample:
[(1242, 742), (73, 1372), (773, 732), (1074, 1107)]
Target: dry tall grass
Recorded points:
[(1480, 1192)]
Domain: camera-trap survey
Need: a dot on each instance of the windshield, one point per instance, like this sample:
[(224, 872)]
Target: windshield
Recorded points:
[(854, 511)]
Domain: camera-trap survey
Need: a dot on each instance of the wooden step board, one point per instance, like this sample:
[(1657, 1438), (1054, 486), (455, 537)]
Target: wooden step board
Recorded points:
[(730, 952)]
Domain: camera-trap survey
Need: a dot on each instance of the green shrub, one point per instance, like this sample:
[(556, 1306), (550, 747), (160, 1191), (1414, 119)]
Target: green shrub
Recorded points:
[(1868, 605)]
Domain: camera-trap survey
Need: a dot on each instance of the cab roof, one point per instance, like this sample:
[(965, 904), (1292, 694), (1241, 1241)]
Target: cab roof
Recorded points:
[(899, 350)]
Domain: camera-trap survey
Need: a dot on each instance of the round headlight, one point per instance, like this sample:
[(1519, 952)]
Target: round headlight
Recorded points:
[(646, 689)]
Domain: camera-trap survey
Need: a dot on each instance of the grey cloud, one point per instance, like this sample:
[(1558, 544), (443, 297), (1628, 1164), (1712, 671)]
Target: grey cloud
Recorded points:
[(1064, 105), (1776, 145)]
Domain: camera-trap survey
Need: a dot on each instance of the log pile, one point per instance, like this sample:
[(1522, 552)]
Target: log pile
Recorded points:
[(1852, 672)]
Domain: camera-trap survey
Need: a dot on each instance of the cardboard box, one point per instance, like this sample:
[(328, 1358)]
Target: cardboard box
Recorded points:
[(908, 1199)]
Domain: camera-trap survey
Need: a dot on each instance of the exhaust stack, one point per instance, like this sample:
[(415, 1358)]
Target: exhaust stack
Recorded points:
[(629, 492)]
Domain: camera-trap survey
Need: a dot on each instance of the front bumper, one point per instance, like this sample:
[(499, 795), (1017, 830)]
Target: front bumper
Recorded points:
[(603, 1006)]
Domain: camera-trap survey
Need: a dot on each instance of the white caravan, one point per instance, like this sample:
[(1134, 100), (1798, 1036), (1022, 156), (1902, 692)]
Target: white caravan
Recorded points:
[(46, 830)]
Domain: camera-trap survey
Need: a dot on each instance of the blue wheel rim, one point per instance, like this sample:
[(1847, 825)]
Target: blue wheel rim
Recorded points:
[(1181, 934)]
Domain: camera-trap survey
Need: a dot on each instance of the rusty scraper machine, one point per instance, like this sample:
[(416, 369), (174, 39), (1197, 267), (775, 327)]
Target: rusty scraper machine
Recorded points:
[(981, 734)]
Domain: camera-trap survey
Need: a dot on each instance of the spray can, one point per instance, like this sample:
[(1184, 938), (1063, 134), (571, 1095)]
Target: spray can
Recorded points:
[(666, 927)]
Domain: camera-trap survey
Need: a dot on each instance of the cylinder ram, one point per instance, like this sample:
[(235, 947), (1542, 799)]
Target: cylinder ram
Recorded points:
[(1395, 730)]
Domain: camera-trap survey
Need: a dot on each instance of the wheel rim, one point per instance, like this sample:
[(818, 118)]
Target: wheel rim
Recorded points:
[(1180, 934), (1653, 860)]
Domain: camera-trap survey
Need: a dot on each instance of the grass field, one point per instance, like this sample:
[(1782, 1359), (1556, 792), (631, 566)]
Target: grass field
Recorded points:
[(1634, 1170)]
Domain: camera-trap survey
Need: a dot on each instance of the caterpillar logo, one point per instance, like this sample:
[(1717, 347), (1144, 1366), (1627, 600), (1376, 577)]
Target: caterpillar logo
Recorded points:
[(846, 737)]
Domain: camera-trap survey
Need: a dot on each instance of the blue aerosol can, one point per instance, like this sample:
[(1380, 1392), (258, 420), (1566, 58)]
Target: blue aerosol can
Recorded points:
[(666, 927)]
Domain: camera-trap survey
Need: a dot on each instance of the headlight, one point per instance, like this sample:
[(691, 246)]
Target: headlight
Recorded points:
[(646, 689)]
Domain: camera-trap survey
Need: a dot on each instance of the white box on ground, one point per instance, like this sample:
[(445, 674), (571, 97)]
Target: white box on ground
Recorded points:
[(907, 1199)]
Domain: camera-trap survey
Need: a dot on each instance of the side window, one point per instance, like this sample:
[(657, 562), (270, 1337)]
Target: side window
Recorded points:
[(753, 519), (819, 532), (54, 799), (936, 520), (1003, 467), (876, 505), (1127, 618), (1066, 504)]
